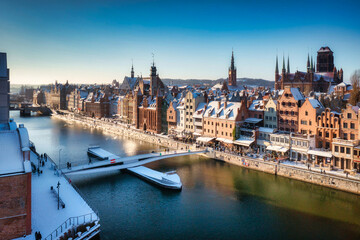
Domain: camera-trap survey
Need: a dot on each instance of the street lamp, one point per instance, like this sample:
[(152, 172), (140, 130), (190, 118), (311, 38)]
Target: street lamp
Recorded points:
[(58, 188), (59, 159)]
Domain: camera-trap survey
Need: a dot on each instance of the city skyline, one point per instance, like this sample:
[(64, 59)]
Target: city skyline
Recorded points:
[(97, 42)]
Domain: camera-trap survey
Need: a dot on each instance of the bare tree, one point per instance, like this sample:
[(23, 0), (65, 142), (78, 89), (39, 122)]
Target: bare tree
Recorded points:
[(355, 92)]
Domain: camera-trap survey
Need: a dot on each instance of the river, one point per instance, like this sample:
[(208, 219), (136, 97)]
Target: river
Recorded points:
[(218, 200)]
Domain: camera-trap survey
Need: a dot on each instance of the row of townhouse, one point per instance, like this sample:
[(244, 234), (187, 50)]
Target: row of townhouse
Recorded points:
[(293, 126)]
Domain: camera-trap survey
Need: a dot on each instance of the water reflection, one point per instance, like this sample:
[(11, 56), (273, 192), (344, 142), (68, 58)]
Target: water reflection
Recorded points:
[(218, 201)]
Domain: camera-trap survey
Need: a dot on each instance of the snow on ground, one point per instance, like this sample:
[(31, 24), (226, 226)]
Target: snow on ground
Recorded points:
[(45, 215)]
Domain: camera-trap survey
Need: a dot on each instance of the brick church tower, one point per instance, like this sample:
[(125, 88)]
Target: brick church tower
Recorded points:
[(325, 60), (232, 72), (153, 81)]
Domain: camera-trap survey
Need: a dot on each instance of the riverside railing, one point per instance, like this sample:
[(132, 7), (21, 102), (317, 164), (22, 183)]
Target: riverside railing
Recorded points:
[(70, 222)]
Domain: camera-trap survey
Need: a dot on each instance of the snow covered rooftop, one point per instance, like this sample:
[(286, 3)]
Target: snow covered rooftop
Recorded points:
[(315, 103), (297, 94), (11, 160)]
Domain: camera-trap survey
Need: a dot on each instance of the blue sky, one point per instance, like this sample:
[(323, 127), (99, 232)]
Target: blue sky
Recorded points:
[(96, 41)]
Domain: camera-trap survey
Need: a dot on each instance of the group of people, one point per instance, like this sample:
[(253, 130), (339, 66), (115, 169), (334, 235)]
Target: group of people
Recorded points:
[(38, 236), (68, 165)]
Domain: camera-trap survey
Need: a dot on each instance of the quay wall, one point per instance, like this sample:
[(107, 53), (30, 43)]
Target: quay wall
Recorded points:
[(301, 174)]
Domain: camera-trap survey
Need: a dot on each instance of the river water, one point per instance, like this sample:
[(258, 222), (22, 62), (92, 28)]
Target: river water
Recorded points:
[(218, 200)]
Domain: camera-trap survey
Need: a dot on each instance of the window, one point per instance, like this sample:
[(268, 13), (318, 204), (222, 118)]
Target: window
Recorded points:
[(342, 149), (355, 152), (347, 150), (266, 118), (336, 148), (327, 144), (310, 123), (349, 115), (327, 134), (230, 125), (345, 125), (306, 113), (345, 136), (352, 136), (230, 135), (334, 135), (352, 125)]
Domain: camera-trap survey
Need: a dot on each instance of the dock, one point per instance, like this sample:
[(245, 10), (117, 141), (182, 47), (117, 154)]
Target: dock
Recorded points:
[(102, 154), (169, 180)]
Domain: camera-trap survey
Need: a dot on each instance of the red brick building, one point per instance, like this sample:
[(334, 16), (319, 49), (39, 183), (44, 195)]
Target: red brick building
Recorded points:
[(288, 106), (97, 105), (15, 183), (320, 80)]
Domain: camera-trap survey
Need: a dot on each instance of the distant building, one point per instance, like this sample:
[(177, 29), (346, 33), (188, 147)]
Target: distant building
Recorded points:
[(97, 105), (319, 81)]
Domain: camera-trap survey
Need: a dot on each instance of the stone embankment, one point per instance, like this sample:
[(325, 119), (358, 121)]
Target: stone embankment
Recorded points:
[(327, 180)]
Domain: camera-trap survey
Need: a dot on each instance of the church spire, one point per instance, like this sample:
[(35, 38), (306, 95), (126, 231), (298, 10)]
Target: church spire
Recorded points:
[(232, 61), (232, 71), (312, 64), (277, 65), (308, 63), (132, 70), (283, 68), (288, 65)]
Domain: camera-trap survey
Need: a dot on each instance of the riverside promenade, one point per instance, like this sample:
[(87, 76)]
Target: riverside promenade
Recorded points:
[(332, 179)]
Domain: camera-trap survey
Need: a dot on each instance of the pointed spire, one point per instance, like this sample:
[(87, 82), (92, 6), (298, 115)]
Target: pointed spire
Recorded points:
[(232, 61), (283, 68), (288, 65), (277, 65), (312, 64), (308, 63), (132, 69)]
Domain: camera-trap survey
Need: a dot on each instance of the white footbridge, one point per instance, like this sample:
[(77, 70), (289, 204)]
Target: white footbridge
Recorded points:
[(114, 162)]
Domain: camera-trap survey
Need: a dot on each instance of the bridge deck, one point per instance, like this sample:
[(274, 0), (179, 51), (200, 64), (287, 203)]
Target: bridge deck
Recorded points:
[(126, 162)]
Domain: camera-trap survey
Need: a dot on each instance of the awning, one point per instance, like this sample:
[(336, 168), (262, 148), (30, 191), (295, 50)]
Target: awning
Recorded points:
[(196, 134), (277, 148), (320, 153), (205, 139), (224, 140), (244, 141), (253, 120)]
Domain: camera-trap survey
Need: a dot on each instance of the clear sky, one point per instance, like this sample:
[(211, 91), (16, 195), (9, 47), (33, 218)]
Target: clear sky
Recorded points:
[(89, 41)]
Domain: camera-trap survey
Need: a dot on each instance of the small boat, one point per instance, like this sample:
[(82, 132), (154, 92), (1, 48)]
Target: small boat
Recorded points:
[(169, 180)]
